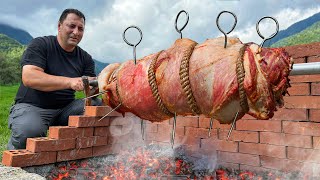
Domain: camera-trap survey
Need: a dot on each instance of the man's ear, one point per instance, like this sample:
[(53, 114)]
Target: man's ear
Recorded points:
[(59, 26)]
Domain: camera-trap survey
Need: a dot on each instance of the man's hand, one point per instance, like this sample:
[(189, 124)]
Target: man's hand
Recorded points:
[(76, 84)]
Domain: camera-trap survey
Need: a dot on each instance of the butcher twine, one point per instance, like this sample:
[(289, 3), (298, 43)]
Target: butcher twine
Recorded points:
[(154, 87), (185, 81), (113, 77), (240, 77)]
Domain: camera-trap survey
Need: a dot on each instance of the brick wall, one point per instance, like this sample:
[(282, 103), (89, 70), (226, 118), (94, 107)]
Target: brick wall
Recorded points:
[(290, 141)]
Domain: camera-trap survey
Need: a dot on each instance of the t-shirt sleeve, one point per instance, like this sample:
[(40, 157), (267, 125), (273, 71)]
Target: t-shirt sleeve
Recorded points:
[(89, 68), (35, 54)]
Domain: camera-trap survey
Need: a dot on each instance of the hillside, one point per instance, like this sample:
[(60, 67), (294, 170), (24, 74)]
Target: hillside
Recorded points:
[(309, 35), (20, 35), (10, 54), (294, 29), (99, 66), (7, 43)]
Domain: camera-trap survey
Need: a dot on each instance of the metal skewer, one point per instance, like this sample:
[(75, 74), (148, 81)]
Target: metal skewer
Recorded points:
[(173, 132), (134, 45), (95, 95), (232, 125), (142, 129), (225, 33), (210, 128), (274, 34), (176, 26), (305, 69), (135, 59), (110, 112)]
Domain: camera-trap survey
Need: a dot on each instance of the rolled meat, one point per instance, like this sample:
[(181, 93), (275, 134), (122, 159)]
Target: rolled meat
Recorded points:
[(193, 79)]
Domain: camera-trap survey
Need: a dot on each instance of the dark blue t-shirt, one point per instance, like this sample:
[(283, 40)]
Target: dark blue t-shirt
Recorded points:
[(46, 53)]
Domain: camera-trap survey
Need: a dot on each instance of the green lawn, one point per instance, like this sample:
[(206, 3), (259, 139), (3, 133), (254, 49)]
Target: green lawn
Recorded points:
[(7, 94)]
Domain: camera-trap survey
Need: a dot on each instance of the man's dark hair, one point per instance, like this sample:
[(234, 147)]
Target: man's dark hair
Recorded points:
[(68, 11)]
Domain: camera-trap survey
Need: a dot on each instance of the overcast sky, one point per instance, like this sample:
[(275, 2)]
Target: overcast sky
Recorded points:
[(107, 19)]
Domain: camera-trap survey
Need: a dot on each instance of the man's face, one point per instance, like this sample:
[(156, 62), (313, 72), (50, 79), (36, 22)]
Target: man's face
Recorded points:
[(70, 31)]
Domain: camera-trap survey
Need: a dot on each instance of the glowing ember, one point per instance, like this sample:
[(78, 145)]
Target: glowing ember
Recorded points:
[(151, 163)]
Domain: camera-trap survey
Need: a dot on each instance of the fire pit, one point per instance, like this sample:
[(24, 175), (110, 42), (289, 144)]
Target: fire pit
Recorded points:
[(152, 162)]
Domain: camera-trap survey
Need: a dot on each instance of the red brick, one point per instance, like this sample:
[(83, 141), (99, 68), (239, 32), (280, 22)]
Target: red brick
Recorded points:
[(290, 114), (263, 149), (24, 158), (244, 136), (301, 154), (305, 78), (297, 51), (41, 144), (65, 132), (255, 169), (106, 150), (151, 136), (307, 102), (315, 88), (199, 132), (258, 125), (316, 142), (284, 164), (314, 115), (74, 154), (186, 140), (313, 59), (232, 166), (100, 111), (167, 129), (88, 121), (285, 139), (102, 131), (84, 142), (190, 121), (151, 127), (303, 128), (205, 123), (299, 89), (299, 60), (222, 145), (239, 158), (100, 141)]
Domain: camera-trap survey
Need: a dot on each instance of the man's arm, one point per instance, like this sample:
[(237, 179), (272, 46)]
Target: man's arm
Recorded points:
[(35, 77)]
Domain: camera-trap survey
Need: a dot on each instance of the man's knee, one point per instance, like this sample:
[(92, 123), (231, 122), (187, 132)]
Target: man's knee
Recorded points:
[(25, 123), (96, 102), (20, 133)]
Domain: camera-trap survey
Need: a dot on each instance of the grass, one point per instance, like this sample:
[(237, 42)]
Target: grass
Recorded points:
[(7, 95)]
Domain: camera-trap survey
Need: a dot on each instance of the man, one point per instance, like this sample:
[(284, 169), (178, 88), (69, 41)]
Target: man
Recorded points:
[(52, 67)]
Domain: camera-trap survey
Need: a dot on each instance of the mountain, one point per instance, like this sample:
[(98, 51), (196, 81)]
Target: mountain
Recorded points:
[(293, 29), (20, 35), (99, 66), (8, 43), (309, 35)]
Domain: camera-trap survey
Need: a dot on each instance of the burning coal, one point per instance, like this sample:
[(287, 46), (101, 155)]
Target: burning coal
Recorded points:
[(153, 162)]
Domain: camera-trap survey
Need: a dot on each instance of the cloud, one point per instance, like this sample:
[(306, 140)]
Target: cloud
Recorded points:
[(106, 21)]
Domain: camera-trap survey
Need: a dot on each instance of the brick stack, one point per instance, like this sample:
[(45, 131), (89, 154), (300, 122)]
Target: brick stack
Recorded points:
[(290, 141)]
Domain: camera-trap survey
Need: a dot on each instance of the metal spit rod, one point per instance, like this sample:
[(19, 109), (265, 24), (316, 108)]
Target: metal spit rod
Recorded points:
[(305, 69)]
